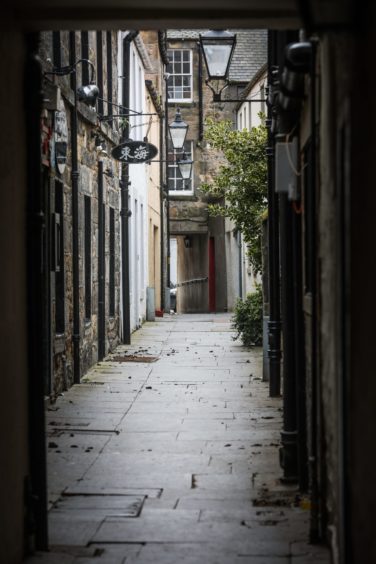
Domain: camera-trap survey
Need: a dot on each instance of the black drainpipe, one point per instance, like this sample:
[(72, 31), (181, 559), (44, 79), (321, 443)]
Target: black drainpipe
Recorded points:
[(35, 495), (124, 187), (289, 434), (101, 267), (315, 497), (274, 324), (75, 219), (299, 348), (200, 97)]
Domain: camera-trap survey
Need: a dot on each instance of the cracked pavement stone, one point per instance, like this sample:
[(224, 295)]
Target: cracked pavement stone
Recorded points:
[(173, 461)]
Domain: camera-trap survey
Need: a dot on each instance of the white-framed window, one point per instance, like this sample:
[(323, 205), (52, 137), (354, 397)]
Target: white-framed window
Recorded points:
[(179, 84), (240, 121), (176, 184)]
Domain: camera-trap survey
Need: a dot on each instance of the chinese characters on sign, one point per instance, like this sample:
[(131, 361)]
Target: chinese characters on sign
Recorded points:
[(140, 153), (133, 152)]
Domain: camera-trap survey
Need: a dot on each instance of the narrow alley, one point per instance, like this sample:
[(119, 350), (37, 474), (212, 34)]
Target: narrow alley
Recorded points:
[(167, 452)]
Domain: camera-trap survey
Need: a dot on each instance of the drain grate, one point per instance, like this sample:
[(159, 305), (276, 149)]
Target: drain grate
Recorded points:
[(124, 506), (132, 358)]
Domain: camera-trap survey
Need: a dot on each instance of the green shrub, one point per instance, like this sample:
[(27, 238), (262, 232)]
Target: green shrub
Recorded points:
[(247, 319)]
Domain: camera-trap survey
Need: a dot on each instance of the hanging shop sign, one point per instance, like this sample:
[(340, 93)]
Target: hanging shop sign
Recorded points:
[(61, 137), (134, 152)]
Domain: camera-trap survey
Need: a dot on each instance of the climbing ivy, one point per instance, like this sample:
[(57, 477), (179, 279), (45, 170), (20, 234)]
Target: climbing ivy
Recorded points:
[(241, 182)]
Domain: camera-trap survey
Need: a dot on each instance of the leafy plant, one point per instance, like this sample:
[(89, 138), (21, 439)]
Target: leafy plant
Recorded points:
[(241, 182), (247, 319)]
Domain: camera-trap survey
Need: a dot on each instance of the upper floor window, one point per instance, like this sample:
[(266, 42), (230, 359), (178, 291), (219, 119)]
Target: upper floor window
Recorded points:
[(180, 81), (176, 184)]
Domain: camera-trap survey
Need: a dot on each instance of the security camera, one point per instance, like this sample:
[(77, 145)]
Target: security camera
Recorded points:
[(166, 75)]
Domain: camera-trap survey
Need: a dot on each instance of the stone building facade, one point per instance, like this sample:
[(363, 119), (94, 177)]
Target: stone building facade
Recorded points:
[(202, 275), (80, 148)]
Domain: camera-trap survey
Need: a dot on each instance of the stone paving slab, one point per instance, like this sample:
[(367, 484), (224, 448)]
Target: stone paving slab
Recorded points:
[(147, 480), (141, 463), (192, 438), (132, 444), (182, 526), (193, 554)]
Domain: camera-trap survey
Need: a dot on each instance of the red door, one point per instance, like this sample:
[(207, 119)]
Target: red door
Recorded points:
[(211, 274)]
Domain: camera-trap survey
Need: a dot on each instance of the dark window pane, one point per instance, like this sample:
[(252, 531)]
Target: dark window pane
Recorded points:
[(87, 249), (112, 263), (59, 259)]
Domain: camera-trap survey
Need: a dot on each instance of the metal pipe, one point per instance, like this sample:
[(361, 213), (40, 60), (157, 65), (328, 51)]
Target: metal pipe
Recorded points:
[(314, 532), (200, 97), (240, 266), (289, 435), (101, 268), (124, 184), (299, 350), (75, 218), (274, 323), (237, 100)]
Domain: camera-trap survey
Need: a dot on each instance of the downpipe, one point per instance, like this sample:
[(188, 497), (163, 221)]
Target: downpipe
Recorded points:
[(124, 188)]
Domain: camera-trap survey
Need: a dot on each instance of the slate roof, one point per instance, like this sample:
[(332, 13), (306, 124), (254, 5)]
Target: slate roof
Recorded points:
[(250, 51)]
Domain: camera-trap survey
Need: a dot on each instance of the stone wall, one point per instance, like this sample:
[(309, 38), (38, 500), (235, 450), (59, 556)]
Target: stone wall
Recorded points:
[(90, 133), (189, 213)]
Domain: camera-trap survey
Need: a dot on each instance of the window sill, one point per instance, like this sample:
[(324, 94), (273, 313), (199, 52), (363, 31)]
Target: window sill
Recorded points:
[(181, 103), (182, 196)]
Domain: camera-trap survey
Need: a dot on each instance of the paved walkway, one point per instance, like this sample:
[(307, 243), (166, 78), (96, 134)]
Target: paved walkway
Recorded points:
[(175, 460)]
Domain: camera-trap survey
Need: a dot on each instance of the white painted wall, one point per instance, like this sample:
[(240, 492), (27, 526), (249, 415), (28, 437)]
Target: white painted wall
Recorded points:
[(138, 225), (173, 260), (247, 117), (138, 196)]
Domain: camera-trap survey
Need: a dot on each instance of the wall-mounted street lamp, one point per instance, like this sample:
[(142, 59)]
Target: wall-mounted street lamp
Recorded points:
[(218, 47), (185, 167), (178, 131), (87, 93)]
